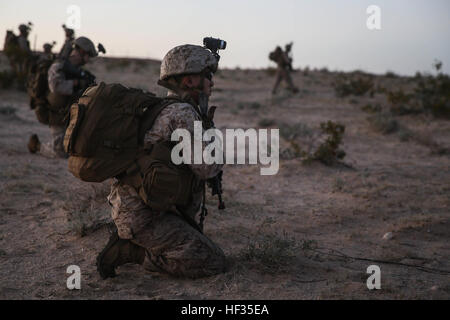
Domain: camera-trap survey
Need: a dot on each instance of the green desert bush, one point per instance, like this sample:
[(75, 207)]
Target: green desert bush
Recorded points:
[(402, 103), (328, 152), (305, 144), (433, 93), (358, 86)]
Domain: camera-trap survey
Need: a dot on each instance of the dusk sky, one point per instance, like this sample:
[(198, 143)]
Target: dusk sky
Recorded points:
[(326, 33)]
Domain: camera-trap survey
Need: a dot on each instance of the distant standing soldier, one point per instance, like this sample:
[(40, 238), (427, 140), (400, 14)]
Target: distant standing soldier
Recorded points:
[(47, 54), (66, 82), (23, 53), (168, 241), (68, 42), (24, 44), (284, 66)]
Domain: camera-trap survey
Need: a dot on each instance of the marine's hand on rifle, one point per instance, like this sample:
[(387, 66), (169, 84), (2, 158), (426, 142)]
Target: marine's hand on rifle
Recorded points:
[(215, 184)]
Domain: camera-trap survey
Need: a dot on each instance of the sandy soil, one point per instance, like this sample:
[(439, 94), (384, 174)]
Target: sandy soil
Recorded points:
[(309, 232)]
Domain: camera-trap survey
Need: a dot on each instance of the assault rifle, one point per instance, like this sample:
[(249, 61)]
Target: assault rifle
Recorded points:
[(214, 45)]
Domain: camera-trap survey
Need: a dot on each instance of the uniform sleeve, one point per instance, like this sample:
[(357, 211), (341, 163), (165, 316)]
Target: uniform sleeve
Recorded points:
[(57, 82), (180, 116)]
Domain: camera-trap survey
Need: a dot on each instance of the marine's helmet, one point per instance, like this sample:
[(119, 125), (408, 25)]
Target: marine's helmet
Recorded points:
[(87, 45), (187, 59), (288, 46), (24, 28), (48, 47)]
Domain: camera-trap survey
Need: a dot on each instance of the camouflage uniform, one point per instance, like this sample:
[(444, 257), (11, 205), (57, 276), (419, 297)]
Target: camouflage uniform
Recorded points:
[(61, 94), (57, 81), (283, 72), (172, 245), (60, 86), (47, 53)]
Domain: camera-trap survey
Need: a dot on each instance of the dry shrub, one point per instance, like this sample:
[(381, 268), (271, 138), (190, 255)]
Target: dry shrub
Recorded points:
[(433, 92), (431, 95), (271, 252), (311, 146), (383, 122), (358, 86), (328, 152)]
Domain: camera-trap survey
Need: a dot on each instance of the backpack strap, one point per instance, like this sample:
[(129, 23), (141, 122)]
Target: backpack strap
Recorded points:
[(152, 113)]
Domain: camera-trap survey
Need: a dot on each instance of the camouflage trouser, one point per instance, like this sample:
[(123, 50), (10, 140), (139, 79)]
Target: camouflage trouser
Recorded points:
[(283, 73), (54, 148), (172, 245)]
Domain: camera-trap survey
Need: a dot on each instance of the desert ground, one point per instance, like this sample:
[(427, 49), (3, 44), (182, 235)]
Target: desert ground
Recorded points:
[(308, 232)]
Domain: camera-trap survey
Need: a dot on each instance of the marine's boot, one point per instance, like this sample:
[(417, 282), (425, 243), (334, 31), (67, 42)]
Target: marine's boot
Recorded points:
[(118, 252), (34, 145)]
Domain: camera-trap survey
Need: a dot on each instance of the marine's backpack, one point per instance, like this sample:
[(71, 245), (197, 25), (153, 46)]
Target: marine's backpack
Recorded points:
[(274, 56), (104, 139), (37, 81), (106, 130), (11, 42)]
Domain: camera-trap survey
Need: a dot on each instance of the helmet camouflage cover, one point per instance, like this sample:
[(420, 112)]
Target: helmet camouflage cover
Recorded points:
[(87, 45), (187, 59)]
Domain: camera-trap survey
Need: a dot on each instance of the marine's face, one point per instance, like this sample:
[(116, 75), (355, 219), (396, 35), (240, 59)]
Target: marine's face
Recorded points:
[(208, 83), (199, 83), (86, 58)]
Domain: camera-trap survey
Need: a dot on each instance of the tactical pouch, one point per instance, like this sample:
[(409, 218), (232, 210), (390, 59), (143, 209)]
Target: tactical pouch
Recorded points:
[(76, 116), (164, 186), (57, 101)]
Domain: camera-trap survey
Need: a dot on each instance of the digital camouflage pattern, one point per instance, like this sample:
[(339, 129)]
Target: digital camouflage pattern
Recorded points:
[(187, 59), (57, 81), (54, 148)]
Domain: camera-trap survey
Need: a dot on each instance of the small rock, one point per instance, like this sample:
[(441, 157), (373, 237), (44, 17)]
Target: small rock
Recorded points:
[(434, 288), (388, 236)]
